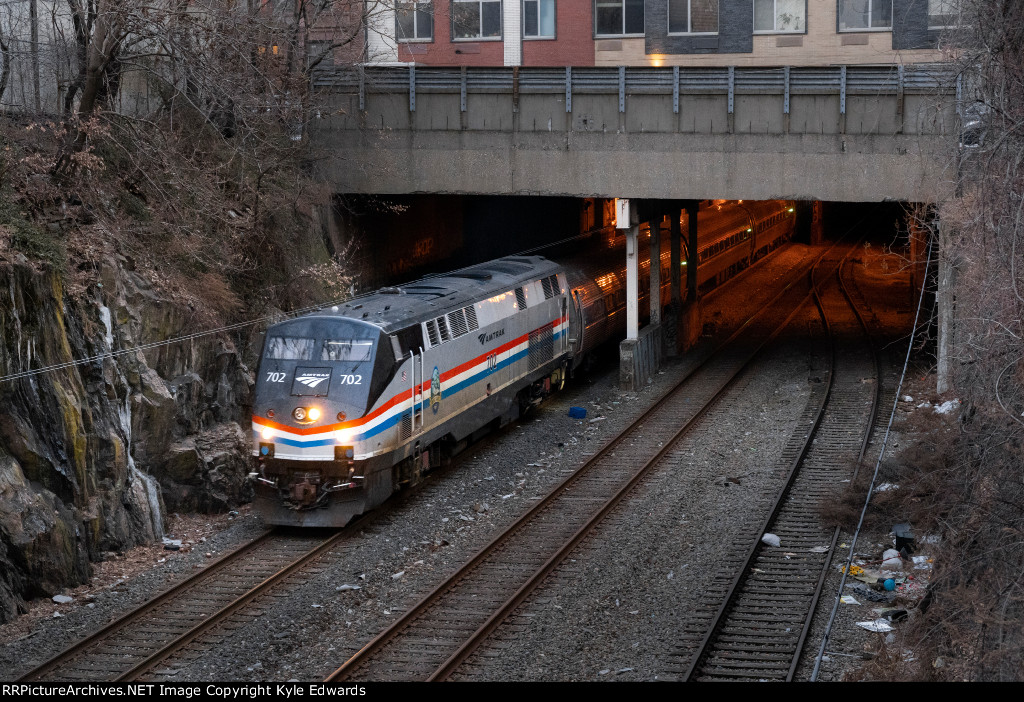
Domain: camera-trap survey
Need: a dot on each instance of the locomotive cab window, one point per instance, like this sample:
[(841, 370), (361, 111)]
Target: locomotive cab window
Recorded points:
[(346, 350), (289, 348)]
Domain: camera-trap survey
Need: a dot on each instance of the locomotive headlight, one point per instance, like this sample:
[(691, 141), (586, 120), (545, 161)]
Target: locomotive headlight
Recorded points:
[(299, 413), (313, 414), (267, 433)]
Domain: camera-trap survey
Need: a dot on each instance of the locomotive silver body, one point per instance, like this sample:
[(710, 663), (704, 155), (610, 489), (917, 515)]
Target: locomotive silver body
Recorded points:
[(353, 401)]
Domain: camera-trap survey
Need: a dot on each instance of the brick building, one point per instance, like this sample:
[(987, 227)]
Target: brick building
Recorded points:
[(654, 32)]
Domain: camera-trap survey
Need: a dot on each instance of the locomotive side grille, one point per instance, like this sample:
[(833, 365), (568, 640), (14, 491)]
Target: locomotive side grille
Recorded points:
[(471, 318), (554, 284), (442, 326), (545, 283), (432, 333), (406, 430), (520, 299), (457, 323), (542, 347)]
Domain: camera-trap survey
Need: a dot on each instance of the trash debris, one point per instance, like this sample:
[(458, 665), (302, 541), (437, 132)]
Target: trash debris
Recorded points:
[(342, 588), (771, 540), (597, 419), (908, 398), (854, 569), (819, 549), (889, 585), (872, 596), (172, 544), (894, 615), (397, 575), (922, 562), (904, 537), (947, 407), (578, 412), (849, 599), (880, 626), (891, 560), (886, 487), (61, 599)]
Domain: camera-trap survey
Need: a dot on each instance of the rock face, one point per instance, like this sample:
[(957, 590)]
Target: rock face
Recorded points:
[(92, 454)]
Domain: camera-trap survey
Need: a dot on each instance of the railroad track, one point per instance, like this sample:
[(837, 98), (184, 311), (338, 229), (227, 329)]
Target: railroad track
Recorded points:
[(135, 644), (758, 613), (435, 636)]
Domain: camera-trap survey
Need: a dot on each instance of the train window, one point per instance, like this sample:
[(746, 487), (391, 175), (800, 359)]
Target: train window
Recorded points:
[(521, 298), (545, 285), (289, 348), (555, 287), (346, 350)]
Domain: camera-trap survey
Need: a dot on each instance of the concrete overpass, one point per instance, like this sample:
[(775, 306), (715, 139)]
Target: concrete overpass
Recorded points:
[(855, 134)]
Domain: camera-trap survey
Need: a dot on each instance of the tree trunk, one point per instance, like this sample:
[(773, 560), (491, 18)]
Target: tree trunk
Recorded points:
[(5, 56), (944, 301), (33, 13)]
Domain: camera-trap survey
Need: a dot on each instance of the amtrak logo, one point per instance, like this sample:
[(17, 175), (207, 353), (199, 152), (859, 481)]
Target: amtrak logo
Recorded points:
[(435, 390), (312, 380), (484, 338)]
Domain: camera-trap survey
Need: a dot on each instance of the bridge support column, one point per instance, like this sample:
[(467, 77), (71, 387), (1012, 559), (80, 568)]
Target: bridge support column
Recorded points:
[(632, 283), (689, 323)]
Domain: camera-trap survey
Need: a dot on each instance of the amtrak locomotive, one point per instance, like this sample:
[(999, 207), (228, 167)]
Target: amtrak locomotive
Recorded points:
[(354, 401)]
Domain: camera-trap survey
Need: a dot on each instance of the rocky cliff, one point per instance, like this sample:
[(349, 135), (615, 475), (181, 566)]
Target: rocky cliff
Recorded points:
[(93, 454)]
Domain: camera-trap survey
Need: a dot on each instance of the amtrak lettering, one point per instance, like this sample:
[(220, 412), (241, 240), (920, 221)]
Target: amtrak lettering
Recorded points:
[(484, 338)]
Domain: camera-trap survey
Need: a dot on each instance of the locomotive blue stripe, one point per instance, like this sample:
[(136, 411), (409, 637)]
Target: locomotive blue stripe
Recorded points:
[(304, 444)]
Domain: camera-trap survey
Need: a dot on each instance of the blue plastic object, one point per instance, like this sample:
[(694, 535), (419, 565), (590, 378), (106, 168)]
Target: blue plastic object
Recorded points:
[(578, 412), (889, 584)]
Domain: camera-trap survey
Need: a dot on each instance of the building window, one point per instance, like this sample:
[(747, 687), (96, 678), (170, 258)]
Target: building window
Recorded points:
[(942, 14), (414, 21), (693, 16), (539, 19), (858, 15), (476, 19), (619, 17), (780, 15)]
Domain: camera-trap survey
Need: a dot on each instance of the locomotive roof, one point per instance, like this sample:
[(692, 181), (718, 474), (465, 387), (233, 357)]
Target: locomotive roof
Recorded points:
[(397, 307)]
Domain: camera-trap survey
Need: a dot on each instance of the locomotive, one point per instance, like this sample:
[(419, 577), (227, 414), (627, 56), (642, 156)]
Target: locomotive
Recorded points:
[(354, 401)]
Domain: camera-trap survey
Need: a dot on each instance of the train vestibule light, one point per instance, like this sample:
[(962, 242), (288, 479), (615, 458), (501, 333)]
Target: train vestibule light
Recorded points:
[(791, 210)]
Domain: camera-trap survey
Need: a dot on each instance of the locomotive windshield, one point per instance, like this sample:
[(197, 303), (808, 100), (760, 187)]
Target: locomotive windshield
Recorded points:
[(288, 348), (346, 350)]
